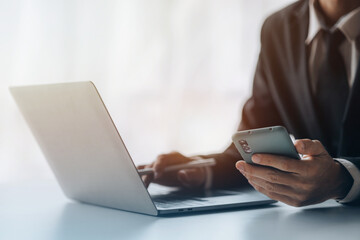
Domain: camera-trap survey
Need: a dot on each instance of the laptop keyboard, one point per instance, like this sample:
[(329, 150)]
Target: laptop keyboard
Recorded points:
[(181, 203), (167, 198), (175, 200)]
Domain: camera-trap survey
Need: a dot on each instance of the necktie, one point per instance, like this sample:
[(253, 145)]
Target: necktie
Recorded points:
[(332, 91)]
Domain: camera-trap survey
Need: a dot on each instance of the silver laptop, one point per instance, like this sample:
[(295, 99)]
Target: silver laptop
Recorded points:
[(90, 161)]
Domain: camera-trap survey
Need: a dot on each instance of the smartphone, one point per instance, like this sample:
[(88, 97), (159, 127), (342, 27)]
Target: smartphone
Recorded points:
[(272, 140)]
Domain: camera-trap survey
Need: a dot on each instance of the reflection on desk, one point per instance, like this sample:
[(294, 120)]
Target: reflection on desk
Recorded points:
[(39, 211)]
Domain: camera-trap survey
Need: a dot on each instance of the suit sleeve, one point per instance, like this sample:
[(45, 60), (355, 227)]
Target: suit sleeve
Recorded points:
[(258, 111)]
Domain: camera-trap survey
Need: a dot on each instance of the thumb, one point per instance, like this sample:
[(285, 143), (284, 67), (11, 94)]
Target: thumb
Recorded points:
[(309, 147), (191, 177)]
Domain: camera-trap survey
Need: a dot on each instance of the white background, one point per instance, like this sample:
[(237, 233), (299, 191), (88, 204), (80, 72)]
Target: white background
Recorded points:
[(173, 73)]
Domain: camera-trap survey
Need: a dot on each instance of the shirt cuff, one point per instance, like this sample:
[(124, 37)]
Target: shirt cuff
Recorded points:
[(355, 174)]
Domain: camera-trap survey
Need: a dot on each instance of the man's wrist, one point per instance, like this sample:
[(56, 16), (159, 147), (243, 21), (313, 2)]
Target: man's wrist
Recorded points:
[(344, 182)]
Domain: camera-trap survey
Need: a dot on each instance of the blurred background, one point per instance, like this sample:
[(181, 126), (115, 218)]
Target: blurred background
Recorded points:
[(174, 74)]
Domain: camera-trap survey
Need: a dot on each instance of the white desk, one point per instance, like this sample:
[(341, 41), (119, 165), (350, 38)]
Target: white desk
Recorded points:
[(40, 211)]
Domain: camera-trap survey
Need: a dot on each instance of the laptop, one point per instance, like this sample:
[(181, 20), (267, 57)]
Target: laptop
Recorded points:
[(91, 163)]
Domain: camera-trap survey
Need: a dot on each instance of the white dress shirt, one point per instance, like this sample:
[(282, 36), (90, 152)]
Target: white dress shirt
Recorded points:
[(349, 25)]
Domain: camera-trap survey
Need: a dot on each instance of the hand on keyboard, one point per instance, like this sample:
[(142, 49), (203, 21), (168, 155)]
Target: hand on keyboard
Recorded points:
[(189, 178)]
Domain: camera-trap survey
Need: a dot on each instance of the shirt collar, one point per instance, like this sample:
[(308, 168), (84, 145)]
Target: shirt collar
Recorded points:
[(348, 24)]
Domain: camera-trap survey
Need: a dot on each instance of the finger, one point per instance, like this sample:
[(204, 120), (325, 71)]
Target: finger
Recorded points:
[(275, 196), (159, 166), (183, 179), (279, 162), (273, 187), (191, 177), (309, 147), (166, 160), (148, 178), (269, 174), (140, 167)]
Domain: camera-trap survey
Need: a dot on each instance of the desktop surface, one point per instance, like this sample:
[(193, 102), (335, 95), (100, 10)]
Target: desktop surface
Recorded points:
[(38, 210)]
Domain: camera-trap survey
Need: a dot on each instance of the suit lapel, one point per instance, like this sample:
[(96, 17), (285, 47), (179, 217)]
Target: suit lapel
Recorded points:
[(350, 133), (354, 98), (302, 83)]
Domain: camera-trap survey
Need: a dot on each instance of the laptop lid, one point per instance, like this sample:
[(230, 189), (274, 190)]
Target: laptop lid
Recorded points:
[(82, 145)]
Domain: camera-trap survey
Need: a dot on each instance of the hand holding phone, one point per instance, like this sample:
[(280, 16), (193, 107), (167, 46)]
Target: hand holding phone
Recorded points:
[(283, 178)]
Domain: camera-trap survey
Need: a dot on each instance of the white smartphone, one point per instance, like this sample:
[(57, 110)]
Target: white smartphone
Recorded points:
[(272, 140)]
